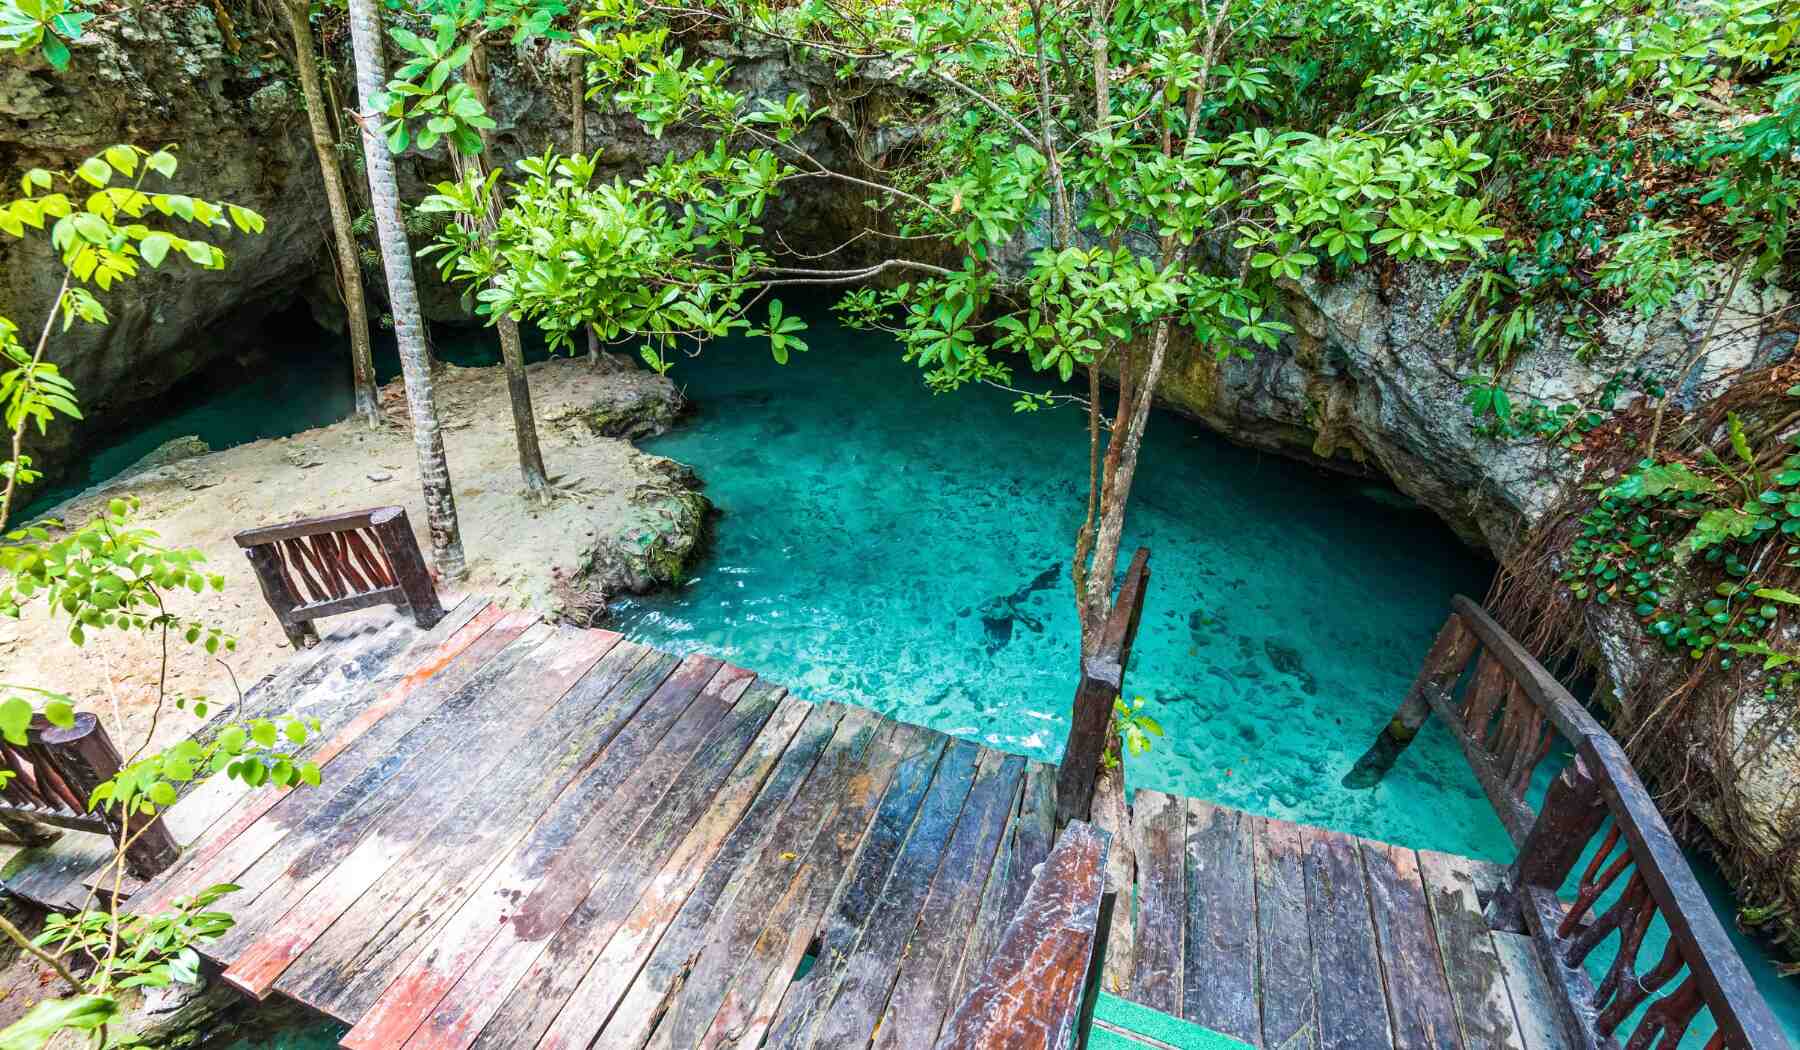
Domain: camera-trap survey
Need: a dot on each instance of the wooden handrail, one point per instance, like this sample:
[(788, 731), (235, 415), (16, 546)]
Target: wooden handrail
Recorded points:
[(1102, 681), (54, 775), (339, 563), (1507, 716), (1029, 997)]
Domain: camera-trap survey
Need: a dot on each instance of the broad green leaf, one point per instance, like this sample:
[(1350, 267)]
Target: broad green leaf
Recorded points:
[(83, 1013)]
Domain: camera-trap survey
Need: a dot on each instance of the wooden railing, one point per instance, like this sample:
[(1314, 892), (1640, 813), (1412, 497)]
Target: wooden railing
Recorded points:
[(53, 776), (1030, 994), (1102, 680), (1507, 718), (340, 563)]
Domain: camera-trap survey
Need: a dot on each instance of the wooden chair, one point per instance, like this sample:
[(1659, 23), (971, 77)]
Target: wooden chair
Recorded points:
[(339, 563), (53, 776)]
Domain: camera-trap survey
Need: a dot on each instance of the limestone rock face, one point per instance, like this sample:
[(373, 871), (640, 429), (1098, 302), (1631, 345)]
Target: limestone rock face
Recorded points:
[(157, 77), (1371, 381)]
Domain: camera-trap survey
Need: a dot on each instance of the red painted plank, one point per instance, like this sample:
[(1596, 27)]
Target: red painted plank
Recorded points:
[(540, 867), (488, 632), (313, 896)]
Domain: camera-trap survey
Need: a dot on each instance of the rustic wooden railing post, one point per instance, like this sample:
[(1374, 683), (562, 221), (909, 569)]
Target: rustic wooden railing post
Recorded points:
[(390, 524), (85, 758), (1102, 681), (1443, 665), (266, 563)]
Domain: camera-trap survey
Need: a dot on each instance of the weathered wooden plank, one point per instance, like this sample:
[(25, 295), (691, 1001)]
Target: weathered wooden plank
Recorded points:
[(395, 985), (720, 780), (1161, 824), (1532, 994), (504, 924), (1034, 832), (736, 986), (992, 915), (867, 975), (1288, 982), (1418, 994), (353, 960), (367, 656), (1030, 996), (1353, 1012), (519, 782), (252, 827), (744, 867), (859, 890), (934, 957), (501, 928), (1477, 983), (759, 787), (424, 775), (1219, 957), (1113, 816)]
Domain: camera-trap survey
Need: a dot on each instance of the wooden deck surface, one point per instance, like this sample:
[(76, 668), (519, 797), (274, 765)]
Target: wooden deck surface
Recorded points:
[(533, 836), (540, 836), (1294, 937)]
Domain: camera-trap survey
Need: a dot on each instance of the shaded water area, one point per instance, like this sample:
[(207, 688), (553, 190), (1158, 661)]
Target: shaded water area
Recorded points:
[(882, 546)]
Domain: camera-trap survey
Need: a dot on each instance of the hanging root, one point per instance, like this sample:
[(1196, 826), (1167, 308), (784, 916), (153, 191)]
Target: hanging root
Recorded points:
[(1696, 730)]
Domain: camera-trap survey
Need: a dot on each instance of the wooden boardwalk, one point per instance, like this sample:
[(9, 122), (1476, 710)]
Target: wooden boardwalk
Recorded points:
[(539, 836), (533, 836), (1294, 937)]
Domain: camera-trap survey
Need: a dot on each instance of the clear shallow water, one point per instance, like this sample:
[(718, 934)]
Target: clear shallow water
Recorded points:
[(886, 547)]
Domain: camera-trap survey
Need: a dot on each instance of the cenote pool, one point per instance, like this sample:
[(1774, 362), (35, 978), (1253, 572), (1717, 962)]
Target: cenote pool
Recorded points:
[(882, 546)]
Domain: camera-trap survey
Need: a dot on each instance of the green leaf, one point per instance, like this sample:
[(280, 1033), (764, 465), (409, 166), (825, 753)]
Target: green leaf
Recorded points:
[(155, 248), (80, 1012), (15, 719), (60, 713), (162, 794), (95, 171), (1776, 594)]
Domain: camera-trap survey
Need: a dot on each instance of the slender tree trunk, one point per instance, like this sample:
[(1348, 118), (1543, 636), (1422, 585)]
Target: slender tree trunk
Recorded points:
[(306, 67), (403, 295), (578, 144), (512, 351)]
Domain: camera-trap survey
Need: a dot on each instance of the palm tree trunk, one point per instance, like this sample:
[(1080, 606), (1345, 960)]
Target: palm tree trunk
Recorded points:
[(578, 144), (306, 67), (512, 352), (403, 295)]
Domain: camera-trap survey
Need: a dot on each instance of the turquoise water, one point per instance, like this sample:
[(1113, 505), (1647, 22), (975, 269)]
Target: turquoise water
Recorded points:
[(883, 546)]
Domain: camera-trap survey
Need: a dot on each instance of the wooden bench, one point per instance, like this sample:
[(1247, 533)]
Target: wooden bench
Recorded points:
[(338, 563), (55, 773), (1030, 995)]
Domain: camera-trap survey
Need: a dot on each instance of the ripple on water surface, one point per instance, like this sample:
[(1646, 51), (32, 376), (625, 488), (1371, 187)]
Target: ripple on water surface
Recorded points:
[(883, 546)]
